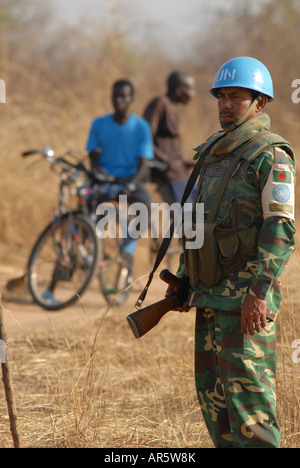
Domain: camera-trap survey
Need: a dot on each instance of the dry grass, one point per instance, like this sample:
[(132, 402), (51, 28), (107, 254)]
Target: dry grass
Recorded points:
[(288, 371), (95, 385), (92, 384)]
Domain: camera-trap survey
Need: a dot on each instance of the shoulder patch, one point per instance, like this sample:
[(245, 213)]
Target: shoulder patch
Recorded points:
[(278, 196), (281, 193)]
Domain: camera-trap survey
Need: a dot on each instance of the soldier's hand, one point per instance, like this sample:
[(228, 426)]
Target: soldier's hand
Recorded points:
[(253, 314), (184, 308)]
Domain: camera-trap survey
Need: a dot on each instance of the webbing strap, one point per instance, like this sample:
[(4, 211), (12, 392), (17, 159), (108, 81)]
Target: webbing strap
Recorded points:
[(237, 156), (168, 237)]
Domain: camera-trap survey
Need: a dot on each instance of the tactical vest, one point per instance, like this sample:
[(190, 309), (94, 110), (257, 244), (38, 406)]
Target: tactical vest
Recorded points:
[(232, 209)]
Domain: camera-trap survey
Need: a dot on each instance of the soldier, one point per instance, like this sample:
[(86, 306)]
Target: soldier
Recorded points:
[(234, 277)]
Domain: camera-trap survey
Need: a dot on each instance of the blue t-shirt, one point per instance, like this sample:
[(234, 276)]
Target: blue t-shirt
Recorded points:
[(121, 145)]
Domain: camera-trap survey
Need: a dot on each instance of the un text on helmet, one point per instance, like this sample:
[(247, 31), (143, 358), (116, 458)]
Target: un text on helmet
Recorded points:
[(225, 74)]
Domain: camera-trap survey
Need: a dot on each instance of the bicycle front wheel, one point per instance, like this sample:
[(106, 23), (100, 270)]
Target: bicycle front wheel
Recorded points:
[(62, 262)]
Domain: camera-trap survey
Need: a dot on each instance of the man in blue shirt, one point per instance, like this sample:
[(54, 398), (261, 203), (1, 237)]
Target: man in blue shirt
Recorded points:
[(120, 143)]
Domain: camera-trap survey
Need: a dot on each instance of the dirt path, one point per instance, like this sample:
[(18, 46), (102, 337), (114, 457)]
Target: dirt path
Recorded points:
[(21, 314)]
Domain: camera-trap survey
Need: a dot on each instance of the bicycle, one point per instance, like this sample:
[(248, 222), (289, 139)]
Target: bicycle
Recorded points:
[(67, 253), (64, 256)]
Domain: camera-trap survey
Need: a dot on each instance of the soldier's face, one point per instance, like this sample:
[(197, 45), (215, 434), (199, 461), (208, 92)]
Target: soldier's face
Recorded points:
[(233, 103)]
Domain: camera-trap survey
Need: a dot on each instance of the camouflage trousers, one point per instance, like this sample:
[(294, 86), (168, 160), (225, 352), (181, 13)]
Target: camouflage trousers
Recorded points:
[(235, 380)]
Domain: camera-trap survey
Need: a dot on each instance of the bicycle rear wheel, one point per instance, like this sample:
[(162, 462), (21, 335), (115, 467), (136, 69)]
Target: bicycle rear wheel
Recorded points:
[(114, 269), (62, 262)]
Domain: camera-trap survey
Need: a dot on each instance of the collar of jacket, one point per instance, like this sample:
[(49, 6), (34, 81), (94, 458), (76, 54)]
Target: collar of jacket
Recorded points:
[(241, 134)]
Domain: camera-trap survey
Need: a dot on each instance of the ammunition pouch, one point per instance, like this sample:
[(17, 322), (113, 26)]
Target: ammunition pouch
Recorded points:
[(224, 251)]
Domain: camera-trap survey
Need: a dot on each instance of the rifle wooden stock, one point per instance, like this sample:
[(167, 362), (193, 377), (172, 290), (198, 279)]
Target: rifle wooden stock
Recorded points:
[(145, 319)]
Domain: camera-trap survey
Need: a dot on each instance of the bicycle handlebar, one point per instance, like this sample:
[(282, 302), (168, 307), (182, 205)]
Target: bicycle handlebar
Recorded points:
[(29, 153), (48, 153), (154, 164), (98, 177)]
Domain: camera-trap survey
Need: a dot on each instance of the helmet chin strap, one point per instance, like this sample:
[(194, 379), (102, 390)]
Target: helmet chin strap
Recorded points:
[(232, 126)]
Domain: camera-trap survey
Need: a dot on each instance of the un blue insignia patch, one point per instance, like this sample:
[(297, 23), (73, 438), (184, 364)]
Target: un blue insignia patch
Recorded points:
[(281, 193)]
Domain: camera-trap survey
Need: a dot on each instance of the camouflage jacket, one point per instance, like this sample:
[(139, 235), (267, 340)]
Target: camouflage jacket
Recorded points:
[(260, 193)]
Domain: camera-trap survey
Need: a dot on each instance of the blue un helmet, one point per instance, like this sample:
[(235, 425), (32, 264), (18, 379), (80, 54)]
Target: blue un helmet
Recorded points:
[(244, 72)]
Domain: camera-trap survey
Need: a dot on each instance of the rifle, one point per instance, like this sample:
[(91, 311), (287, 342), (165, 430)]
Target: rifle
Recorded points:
[(145, 319)]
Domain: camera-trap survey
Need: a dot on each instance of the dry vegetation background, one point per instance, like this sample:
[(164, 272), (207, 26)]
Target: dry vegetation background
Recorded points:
[(91, 384)]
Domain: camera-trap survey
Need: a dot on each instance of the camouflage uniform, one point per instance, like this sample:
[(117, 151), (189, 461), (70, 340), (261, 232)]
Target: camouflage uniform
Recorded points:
[(235, 373)]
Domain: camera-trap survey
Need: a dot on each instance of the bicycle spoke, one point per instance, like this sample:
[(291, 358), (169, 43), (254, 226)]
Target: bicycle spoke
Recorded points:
[(62, 262), (113, 271)]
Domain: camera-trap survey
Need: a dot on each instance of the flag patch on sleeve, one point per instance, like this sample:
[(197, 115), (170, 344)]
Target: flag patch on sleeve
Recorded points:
[(278, 196), (282, 176)]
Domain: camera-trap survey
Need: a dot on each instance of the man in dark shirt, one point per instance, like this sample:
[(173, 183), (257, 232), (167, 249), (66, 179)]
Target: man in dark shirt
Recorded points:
[(162, 115)]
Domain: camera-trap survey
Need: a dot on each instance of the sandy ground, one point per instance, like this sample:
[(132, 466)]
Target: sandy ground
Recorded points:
[(21, 314)]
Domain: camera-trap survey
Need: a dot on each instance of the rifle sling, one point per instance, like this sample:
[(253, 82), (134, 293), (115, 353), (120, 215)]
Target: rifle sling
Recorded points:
[(167, 239)]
